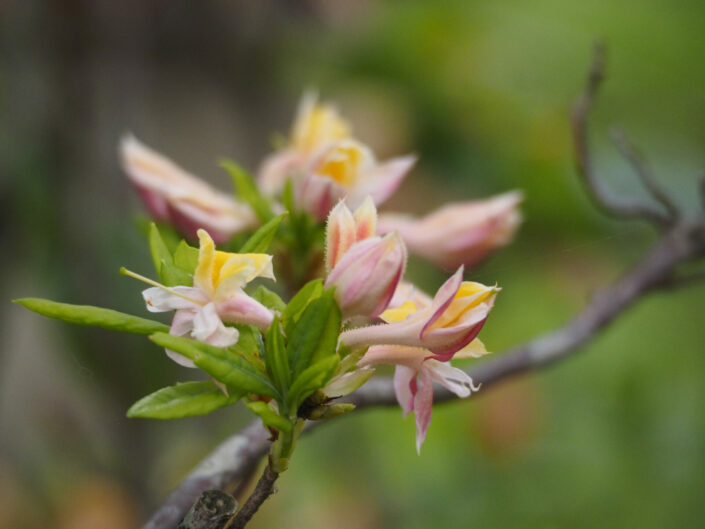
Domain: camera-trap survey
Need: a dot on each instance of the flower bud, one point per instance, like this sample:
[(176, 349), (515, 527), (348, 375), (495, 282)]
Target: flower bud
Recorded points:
[(173, 195), (367, 275), (459, 234)]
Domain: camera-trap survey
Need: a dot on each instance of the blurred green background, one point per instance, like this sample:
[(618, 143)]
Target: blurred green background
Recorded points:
[(613, 437)]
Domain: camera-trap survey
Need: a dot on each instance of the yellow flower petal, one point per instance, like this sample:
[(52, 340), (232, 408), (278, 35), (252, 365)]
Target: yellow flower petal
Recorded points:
[(399, 313)]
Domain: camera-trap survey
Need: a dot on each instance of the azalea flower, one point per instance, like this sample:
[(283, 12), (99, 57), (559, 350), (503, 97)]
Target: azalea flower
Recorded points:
[(459, 234), (364, 268), (173, 195), (326, 164), (452, 320), (316, 125), (416, 371), (216, 297)]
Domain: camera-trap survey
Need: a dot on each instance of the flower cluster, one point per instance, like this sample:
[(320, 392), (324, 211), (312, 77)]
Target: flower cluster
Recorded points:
[(342, 306)]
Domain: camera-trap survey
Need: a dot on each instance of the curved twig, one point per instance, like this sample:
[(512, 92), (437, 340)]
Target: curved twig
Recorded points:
[(643, 171), (593, 185)]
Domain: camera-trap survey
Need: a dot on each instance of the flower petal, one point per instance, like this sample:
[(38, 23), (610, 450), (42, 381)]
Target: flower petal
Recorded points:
[(423, 403), (164, 300), (403, 377), (456, 380)]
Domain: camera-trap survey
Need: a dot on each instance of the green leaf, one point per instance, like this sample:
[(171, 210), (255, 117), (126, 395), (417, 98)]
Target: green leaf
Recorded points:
[(292, 312), (315, 334), (182, 400), (158, 249), (260, 240), (269, 416), (275, 357), (172, 275), (88, 315), (311, 379), (186, 257), (269, 299), (225, 365), (247, 189), (250, 346)]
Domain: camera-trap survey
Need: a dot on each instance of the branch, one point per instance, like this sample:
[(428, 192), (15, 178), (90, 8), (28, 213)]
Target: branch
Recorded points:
[(263, 490), (641, 168), (600, 195)]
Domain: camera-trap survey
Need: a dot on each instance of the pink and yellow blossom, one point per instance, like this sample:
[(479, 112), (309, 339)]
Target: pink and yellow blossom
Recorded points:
[(173, 195), (452, 320), (216, 297)]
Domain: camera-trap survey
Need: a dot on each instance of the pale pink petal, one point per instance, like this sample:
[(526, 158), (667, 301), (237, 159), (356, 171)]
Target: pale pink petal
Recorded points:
[(340, 234), (318, 194), (403, 377), (456, 380), (164, 300), (412, 357), (382, 181), (208, 328), (443, 298), (423, 402), (277, 168), (241, 308), (366, 219), (181, 325), (367, 275)]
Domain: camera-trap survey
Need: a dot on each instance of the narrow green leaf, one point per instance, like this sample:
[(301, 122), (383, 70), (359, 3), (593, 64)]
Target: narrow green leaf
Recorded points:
[(186, 257), (96, 316), (247, 189), (182, 400), (158, 249), (225, 365), (292, 312), (269, 416), (260, 240), (275, 357), (269, 299), (311, 379), (315, 334)]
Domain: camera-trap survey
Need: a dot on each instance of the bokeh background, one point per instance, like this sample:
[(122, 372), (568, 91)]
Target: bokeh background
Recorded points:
[(613, 437)]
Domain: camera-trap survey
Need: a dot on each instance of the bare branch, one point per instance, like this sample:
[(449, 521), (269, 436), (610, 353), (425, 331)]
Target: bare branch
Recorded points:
[(643, 171), (230, 462), (601, 196), (263, 490)]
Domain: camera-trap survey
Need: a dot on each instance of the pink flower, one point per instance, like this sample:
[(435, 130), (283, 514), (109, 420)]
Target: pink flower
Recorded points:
[(459, 234), (452, 320), (173, 195), (326, 164), (416, 371), (364, 268), (216, 297), (348, 169)]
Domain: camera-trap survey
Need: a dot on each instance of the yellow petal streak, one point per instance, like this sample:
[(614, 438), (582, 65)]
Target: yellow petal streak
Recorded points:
[(342, 164), (218, 270), (399, 313), (318, 124), (469, 296)]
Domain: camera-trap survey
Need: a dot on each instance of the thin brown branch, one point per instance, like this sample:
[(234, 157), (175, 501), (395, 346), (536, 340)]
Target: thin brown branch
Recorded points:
[(595, 188), (643, 171), (263, 490)]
